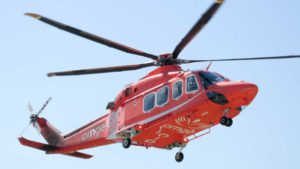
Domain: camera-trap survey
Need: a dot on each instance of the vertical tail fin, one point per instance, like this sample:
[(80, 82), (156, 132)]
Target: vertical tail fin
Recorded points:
[(52, 135)]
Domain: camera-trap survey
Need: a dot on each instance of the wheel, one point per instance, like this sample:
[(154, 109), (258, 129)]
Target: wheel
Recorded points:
[(179, 156), (229, 122), (223, 120), (126, 143)]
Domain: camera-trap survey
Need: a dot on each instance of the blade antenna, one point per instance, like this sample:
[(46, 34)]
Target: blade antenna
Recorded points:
[(208, 66)]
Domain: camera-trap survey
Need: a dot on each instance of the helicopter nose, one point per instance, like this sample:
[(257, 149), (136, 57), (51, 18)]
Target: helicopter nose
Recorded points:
[(238, 93)]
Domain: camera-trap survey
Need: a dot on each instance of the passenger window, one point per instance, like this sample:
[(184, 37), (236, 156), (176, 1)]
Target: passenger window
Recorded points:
[(162, 96), (149, 102), (191, 84), (177, 90)]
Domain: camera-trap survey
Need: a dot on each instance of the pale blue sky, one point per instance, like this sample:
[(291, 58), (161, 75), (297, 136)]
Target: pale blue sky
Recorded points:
[(265, 135)]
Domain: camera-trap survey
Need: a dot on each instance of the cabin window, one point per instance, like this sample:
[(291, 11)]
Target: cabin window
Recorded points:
[(149, 102), (191, 84), (162, 96), (177, 90)]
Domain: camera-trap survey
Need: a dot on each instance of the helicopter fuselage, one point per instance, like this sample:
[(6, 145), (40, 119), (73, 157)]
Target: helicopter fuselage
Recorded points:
[(155, 115)]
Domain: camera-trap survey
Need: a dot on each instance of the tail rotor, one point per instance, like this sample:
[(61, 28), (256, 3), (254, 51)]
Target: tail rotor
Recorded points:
[(34, 116)]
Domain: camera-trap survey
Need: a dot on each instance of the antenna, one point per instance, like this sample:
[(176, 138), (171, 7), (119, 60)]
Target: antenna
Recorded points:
[(208, 66)]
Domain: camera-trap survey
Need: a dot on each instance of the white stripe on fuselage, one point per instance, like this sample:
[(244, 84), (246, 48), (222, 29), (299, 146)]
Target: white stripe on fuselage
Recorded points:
[(155, 117)]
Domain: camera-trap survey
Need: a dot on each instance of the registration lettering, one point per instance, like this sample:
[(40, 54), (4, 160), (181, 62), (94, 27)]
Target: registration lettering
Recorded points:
[(95, 132)]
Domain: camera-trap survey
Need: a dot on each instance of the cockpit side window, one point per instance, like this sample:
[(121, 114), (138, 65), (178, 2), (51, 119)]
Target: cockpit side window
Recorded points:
[(191, 84), (208, 78)]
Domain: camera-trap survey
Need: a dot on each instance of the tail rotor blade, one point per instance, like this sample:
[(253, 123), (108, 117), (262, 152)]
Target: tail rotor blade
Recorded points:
[(34, 117), (30, 108), (23, 131), (44, 106)]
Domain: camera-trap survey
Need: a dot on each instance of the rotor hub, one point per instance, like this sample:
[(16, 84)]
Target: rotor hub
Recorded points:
[(166, 59)]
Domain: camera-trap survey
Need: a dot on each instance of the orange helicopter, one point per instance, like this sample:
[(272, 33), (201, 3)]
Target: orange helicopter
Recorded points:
[(167, 108)]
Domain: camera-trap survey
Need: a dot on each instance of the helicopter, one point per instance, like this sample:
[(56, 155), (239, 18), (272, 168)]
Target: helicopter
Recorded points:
[(166, 109)]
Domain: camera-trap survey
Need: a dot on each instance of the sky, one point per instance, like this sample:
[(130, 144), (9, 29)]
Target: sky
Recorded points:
[(265, 135)]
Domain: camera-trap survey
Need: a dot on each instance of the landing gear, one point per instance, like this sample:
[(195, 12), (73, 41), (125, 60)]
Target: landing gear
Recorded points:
[(229, 122), (126, 143), (179, 156), (225, 121)]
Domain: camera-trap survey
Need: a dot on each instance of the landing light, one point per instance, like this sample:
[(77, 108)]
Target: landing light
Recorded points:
[(185, 140), (140, 127)]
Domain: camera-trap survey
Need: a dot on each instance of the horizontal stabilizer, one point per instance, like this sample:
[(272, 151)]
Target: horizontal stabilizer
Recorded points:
[(37, 145), (79, 155), (47, 148)]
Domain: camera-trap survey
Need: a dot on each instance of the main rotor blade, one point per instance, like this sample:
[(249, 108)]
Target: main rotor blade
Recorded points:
[(197, 27), (240, 59), (92, 37), (102, 70)]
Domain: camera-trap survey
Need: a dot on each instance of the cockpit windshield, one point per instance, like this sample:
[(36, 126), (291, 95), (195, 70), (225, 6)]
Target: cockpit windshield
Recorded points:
[(208, 78)]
